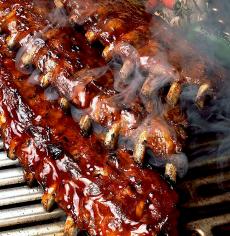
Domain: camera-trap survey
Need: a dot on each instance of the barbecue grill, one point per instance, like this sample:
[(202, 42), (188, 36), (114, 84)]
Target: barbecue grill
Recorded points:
[(204, 203)]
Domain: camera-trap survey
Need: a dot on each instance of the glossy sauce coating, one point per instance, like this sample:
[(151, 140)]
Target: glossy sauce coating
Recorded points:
[(79, 73), (116, 22), (105, 193)]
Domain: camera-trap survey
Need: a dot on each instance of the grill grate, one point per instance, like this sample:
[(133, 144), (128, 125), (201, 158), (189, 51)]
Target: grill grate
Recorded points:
[(206, 201), (21, 213)]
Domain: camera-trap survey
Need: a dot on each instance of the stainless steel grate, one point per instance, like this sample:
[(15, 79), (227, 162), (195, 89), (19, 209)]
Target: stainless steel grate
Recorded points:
[(206, 206), (21, 213)]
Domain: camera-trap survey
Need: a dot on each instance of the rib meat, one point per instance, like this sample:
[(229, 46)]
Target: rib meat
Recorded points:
[(124, 26), (64, 59), (104, 193)]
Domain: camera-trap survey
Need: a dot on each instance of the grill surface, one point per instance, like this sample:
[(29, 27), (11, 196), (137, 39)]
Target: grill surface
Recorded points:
[(206, 198), (21, 213), (205, 201)]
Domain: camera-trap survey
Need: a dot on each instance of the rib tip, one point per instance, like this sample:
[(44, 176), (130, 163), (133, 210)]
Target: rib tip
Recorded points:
[(70, 229), (203, 91), (2, 119), (140, 148), (85, 125), (11, 154), (58, 3), (29, 178), (91, 36), (45, 81), (107, 52), (111, 136), (10, 42), (173, 95), (64, 104), (171, 172), (48, 199)]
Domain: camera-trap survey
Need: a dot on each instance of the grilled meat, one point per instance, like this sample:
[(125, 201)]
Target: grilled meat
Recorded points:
[(104, 193), (128, 31), (64, 59)]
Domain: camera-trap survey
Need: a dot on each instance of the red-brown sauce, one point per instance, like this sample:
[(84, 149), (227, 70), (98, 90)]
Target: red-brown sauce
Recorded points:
[(106, 193)]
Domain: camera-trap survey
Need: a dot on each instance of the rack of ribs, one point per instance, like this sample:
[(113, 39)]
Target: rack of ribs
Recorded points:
[(76, 171), (64, 59), (56, 85), (126, 30)]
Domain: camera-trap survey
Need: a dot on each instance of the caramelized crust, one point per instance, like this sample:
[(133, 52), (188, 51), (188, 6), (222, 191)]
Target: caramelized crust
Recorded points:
[(64, 59), (116, 23), (106, 194)]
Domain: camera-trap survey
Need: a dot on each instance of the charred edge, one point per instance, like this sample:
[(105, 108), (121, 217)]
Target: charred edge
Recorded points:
[(48, 198), (64, 104), (111, 136), (85, 125), (29, 178), (140, 148), (171, 172), (70, 228)]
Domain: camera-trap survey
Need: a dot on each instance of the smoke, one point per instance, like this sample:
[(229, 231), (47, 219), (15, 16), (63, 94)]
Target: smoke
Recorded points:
[(145, 76), (180, 161), (204, 25), (209, 130)]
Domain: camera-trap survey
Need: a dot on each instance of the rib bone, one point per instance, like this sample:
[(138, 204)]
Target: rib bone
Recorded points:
[(140, 146), (111, 136)]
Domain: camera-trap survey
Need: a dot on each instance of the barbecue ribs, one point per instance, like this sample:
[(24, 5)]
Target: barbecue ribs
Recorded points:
[(128, 31), (118, 70), (77, 172), (64, 59)]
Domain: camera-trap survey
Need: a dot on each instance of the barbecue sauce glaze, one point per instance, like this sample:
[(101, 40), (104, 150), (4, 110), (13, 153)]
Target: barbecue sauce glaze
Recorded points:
[(105, 193)]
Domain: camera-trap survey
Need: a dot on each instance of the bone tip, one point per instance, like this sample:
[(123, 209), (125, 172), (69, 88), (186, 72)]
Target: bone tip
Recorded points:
[(127, 69), (64, 104), (29, 177), (11, 154), (111, 136), (171, 172), (173, 95), (58, 3), (85, 125), (26, 59), (10, 42), (44, 82), (70, 228), (2, 119), (203, 90), (48, 199), (91, 36), (107, 52), (140, 148)]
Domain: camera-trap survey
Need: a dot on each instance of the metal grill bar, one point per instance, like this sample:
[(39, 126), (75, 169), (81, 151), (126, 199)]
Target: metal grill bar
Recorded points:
[(5, 161), (19, 195), (192, 187), (54, 229), (27, 214), (207, 187), (11, 176), (201, 202), (204, 227)]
